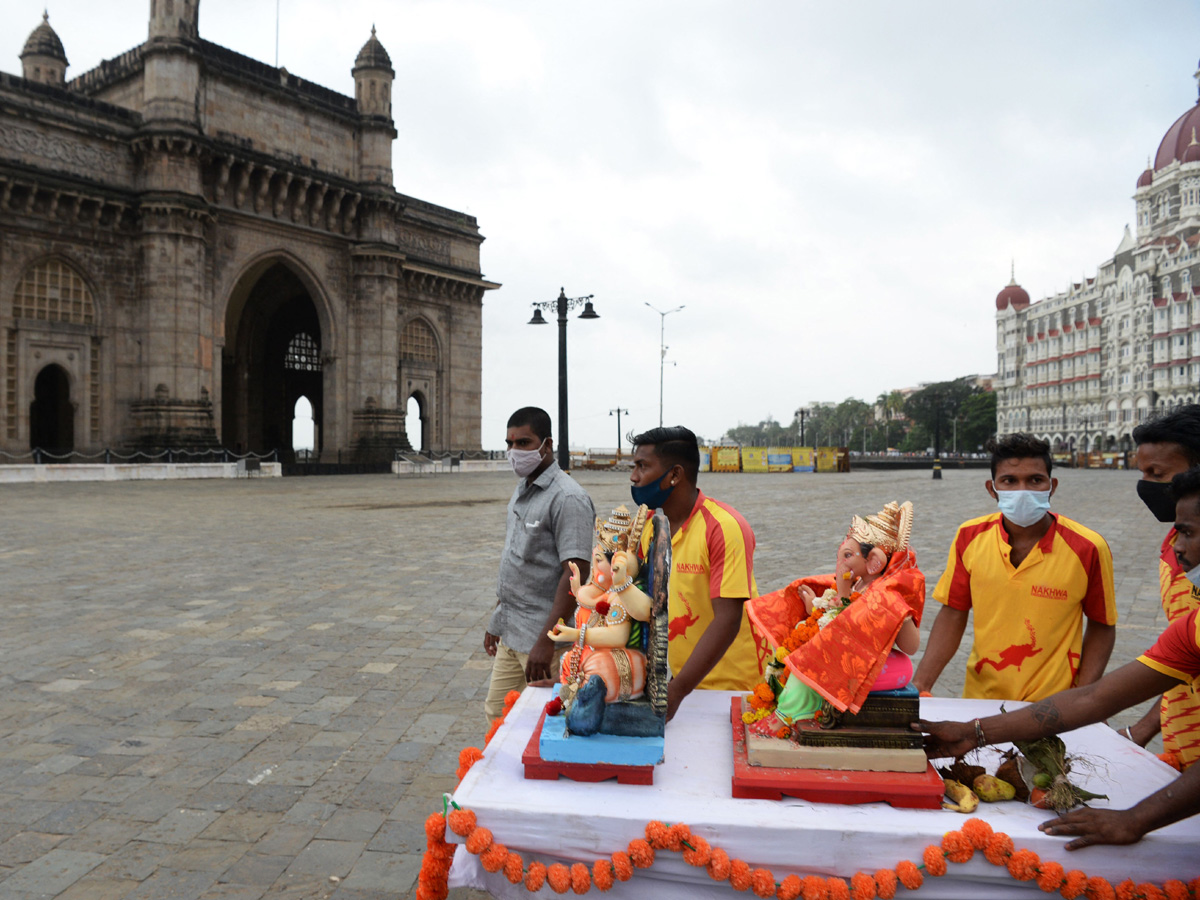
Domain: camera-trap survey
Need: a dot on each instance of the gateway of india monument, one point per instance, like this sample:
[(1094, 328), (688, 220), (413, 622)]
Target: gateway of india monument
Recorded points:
[(192, 240)]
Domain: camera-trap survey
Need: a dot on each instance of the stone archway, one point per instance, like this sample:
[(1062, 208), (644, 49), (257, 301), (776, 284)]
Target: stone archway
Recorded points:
[(272, 358), (417, 421), (52, 414)]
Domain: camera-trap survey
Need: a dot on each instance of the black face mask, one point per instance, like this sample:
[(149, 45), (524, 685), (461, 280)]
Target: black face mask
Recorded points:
[(1158, 499)]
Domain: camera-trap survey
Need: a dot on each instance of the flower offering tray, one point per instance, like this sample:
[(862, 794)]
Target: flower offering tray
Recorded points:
[(539, 769), (908, 790)]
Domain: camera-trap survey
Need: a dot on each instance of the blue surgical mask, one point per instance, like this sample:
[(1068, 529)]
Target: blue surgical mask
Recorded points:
[(1023, 508), (653, 495), (1193, 575)]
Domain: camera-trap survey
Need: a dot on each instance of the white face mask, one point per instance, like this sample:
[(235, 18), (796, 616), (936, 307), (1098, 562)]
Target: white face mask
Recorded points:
[(523, 462), (1023, 508), (1193, 575)]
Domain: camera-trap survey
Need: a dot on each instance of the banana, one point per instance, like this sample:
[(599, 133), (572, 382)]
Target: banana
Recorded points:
[(964, 799), (992, 789)]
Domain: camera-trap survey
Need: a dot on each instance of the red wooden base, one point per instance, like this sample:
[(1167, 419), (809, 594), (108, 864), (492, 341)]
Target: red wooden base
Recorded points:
[(900, 789), (538, 769)]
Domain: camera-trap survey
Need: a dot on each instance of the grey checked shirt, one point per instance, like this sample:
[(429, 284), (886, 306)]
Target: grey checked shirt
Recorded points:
[(549, 521)]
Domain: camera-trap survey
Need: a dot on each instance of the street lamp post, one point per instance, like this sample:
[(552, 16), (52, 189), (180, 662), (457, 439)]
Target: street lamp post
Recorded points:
[(618, 411), (562, 306), (662, 353), (800, 414)]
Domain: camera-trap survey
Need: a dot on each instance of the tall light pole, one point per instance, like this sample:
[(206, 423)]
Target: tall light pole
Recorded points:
[(562, 306), (618, 412), (801, 413), (662, 353)]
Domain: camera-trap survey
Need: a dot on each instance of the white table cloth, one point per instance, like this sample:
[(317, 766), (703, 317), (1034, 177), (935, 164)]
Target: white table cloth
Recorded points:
[(565, 821)]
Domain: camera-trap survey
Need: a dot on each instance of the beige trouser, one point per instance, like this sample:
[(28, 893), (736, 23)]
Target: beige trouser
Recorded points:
[(508, 674)]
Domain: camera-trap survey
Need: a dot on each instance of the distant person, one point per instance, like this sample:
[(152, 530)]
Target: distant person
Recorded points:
[(1031, 577), (550, 524), (1166, 447), (1173, 661), (711, 644)]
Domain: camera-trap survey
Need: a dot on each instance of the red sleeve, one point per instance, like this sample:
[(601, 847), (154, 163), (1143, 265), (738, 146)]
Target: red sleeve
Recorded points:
[(956, 580), (1176, 648), (1099, 601)]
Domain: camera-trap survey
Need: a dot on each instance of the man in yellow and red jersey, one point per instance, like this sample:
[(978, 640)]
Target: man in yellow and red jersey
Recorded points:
[(1031, 577), (1173, 660), (711, 644), (1166, 447)]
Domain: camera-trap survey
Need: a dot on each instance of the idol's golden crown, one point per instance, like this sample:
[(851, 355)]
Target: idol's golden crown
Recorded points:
[(890, 529), (621, 530)]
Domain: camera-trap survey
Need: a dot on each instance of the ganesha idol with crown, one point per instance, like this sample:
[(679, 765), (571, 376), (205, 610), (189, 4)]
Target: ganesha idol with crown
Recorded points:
[(611, 703), (842, 655)]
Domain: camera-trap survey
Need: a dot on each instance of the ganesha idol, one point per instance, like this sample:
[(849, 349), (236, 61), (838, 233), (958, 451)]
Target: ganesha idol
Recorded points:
[(606, 665), (839, 637)]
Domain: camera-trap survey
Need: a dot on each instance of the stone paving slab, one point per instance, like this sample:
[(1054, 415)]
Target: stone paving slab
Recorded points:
[(259, 688)]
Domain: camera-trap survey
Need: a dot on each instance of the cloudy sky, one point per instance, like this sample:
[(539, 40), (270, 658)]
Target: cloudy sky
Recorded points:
[(833, 191)]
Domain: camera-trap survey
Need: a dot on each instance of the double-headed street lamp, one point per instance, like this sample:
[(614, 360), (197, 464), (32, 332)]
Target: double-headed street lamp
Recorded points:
[(662, 353), (562, 306)]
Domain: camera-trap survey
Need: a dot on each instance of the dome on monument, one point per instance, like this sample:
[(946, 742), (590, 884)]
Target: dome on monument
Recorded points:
[(1147, 176), (1014, 295), (372, 55), (44, 41)]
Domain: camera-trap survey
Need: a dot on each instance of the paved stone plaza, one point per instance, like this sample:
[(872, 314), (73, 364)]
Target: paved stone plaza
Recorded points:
[(259, 688)]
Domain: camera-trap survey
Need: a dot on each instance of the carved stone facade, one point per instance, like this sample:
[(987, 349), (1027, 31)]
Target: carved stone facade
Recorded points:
[(1084, 367), (192, 240)]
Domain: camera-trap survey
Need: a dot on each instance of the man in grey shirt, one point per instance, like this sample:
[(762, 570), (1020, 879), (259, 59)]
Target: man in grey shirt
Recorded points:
[(551, 521)]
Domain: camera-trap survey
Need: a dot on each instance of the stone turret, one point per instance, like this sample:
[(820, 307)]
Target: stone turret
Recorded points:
[(172, 79), (373, 75), (174, 19), (43, 59)]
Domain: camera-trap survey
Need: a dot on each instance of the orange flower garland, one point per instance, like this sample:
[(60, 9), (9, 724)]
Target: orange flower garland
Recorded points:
[(956, 846)]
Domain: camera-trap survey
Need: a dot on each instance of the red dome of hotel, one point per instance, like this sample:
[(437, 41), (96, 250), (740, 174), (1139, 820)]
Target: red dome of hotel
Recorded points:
[(1014, 295), (1179, 137)]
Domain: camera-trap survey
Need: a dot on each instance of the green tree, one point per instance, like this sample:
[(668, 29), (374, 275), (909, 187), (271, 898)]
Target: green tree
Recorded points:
[(977, 421), (935, 406)]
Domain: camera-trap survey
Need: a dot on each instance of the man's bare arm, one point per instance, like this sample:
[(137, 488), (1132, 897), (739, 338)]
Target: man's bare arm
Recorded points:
[(1178, 800), (717, 637), (1064, 711), (1098, 642), (944, 638), (542, 654)]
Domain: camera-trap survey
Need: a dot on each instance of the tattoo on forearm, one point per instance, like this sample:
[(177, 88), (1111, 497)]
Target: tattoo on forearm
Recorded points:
[(1046, 714)]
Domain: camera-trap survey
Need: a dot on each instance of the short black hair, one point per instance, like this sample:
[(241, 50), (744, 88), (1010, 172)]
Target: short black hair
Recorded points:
[(675, 445), (536, 418), (1186, 484), (1018, 445), (1180, 426)]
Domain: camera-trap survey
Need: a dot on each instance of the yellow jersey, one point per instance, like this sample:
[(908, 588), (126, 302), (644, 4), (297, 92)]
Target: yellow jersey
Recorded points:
[(1028, 618)]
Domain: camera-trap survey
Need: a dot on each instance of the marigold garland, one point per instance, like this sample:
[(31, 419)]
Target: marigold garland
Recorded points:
[(935, 860), (862, 887), (790, 888), (739, 874), (955, 846), (885, 884)]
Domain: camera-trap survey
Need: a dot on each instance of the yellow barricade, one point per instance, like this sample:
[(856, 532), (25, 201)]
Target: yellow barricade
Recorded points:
[(779, 459), (726, 459), (754, 459), (802, 459), (827, 459), (705, 459)]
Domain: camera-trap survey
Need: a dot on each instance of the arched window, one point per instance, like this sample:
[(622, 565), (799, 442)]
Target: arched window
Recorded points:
[(54, 292), (417, 342), (303, 354)]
